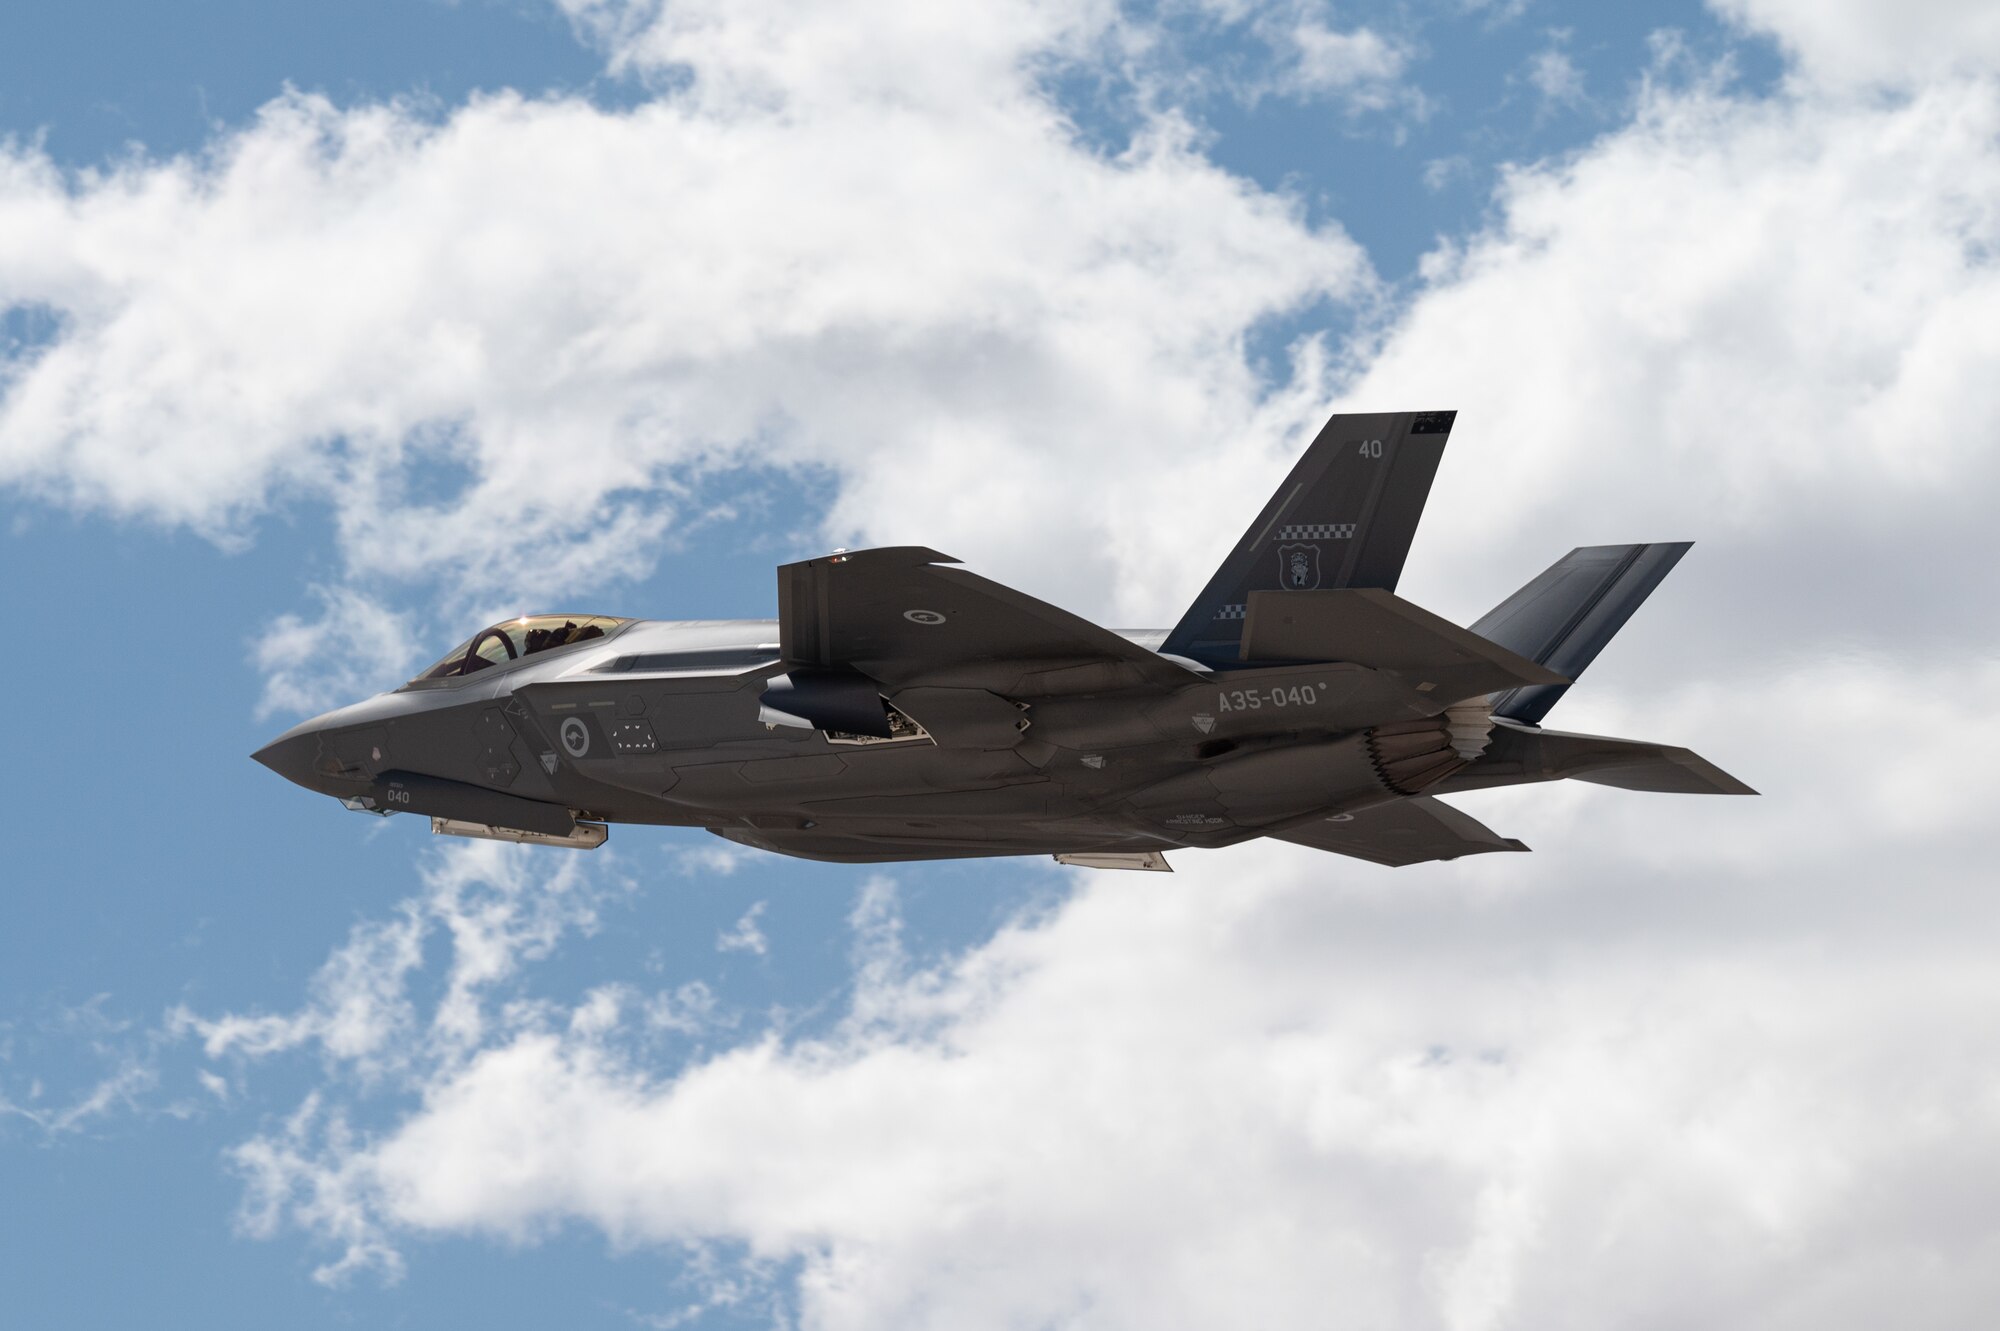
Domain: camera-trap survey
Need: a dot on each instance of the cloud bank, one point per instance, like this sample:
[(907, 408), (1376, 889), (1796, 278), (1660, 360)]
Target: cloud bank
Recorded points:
[(1704, 1062), (503, 345)]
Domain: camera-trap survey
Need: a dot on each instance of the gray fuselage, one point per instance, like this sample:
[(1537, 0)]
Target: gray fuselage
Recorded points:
[(661, 722)]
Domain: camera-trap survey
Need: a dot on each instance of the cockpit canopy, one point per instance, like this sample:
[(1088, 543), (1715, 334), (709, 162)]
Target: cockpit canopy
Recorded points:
[(513, 639)]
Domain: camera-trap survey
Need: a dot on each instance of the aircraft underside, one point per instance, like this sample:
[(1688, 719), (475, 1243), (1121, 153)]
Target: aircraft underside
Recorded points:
[(902, 709)]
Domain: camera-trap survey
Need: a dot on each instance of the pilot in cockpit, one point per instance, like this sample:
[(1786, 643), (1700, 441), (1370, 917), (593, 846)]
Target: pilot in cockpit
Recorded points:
[(541, 640), (516, 638)]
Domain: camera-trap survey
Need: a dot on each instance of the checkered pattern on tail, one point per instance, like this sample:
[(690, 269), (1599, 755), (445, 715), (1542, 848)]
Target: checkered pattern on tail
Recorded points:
[(1317, 531)]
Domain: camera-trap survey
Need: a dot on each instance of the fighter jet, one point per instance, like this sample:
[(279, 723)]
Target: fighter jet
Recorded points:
[(901, 708)]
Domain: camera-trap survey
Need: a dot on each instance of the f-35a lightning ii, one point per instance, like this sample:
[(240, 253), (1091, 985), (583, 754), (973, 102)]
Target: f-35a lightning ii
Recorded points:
[(903, 709)]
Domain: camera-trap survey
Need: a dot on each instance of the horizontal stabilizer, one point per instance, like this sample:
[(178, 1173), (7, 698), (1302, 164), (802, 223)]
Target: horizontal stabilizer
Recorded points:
[(1518, 755), (1344, 517), (1378, 629), (901, 618), (1401, 832), (1564, 618)]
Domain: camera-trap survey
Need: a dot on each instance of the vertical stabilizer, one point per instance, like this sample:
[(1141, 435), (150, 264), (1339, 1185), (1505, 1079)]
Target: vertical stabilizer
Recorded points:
[(1344, 518), (1564, 618)]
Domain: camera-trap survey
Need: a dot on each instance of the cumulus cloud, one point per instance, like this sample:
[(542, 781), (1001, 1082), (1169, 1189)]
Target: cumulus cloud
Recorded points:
[(1274, 1087), (1758, 323), (1898, 43), (1728, 1058), (506, 345), (1733, 1051)]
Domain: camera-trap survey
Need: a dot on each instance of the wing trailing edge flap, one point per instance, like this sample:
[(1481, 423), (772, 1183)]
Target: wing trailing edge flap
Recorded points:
[(1402, 832), (1519, 755), (1375, 628), (899, 616)]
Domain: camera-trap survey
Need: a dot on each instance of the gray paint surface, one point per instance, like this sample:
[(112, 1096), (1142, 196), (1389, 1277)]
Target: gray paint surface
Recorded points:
[(901, 708)]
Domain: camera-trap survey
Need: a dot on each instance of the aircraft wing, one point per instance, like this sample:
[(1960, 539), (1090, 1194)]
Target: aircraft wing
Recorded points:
[(901, 617), (1405, 831)]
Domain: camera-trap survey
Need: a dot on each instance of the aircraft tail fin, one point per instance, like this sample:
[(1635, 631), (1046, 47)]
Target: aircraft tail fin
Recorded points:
[(1564, 618), (1344, 517)]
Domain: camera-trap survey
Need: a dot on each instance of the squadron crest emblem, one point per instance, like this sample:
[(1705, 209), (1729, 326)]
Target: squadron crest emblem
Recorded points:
[(1298, 567)]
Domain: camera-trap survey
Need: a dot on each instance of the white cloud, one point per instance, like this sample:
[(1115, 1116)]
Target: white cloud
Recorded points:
[(1555, 76), (358, 1002), (111, 1065), (1308, 54), (1285, 1091), (1733, 1053), (744, 936), (1442, 172), (721, 859), (689, 1009), (1732, 1050), (1348, 61), (119, 1089), (498, 907), (1497, 12), (1894, 42), (1764, 325), (879, 54), (306, 1172), (502, 345), (356, 646)]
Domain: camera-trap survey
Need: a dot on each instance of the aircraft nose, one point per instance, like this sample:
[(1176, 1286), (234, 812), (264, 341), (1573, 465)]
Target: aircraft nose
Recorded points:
[(292, 755)]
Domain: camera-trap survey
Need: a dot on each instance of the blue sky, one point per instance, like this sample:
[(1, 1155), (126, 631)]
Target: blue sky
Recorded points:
[(330, 332)]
